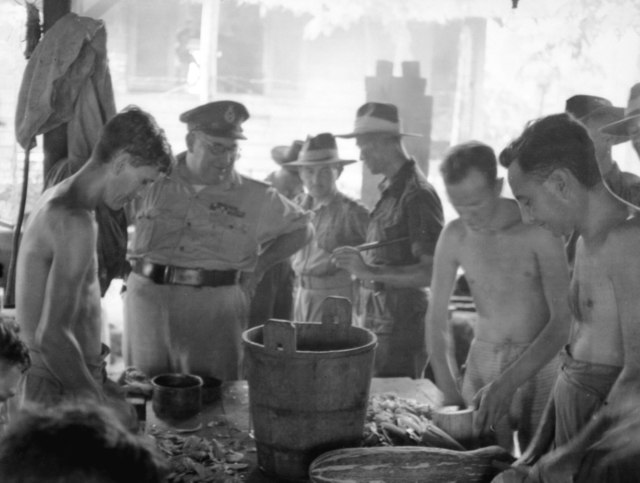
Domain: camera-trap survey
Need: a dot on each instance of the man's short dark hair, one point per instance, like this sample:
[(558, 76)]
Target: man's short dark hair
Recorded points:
[(135, 132), (554, 142), (75, 443), (13, 350), (460, 159)]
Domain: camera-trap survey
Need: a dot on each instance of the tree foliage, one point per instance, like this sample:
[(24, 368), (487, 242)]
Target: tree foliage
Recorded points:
[(327, 15)]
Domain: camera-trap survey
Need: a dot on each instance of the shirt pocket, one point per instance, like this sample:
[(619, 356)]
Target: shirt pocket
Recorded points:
[(145, 226), (238, 239), (399, 251)]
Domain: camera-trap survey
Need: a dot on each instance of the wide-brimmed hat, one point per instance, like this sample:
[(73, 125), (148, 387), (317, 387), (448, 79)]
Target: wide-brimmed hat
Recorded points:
[(320, 150), (632, 111), (377, 118), (594, 108), (221, 119), (286, 154)]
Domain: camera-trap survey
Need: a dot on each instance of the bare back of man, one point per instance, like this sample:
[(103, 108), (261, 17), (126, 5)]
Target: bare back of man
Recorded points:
[(58, 296)]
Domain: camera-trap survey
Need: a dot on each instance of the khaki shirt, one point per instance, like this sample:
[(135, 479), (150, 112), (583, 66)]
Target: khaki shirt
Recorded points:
[(408, 207), (214, 228), (340, 222)]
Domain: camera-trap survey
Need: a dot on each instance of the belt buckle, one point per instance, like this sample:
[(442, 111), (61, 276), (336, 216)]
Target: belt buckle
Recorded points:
[(186, 276)]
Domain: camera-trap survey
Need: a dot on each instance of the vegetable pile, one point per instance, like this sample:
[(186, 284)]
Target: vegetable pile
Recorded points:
[(195, 459), (395, 421)]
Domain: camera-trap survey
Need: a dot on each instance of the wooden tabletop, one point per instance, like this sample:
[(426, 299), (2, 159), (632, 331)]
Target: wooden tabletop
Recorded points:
[(227, 420)]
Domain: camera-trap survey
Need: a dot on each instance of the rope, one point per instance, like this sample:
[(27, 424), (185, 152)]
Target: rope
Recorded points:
[(10, 288)]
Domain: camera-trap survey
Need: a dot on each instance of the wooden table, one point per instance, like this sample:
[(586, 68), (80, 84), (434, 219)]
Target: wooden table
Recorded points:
[(227, 420)]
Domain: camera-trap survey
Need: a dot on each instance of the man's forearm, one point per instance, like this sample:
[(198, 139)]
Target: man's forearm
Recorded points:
[(438, 346), (540, 352), (418, 275), (283, 247)]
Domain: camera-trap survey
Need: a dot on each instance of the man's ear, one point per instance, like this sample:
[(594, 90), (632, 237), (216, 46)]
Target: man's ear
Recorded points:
[(120, 162), (190, 140), (560, 182)]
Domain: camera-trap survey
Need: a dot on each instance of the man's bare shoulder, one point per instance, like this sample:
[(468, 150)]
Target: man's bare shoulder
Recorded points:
[(454, 232), (56, 216), (533, 234)]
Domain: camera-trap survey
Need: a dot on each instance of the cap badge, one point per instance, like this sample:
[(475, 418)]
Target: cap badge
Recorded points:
[(230, 115)]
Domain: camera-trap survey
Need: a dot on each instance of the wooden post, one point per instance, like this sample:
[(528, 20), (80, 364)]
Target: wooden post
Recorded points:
[(415, 109), (209, 47)]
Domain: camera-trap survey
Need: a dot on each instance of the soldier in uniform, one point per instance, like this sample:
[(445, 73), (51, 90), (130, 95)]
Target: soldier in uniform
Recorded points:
[(394, 278), (338, 220), (623, 185), (203, 239)]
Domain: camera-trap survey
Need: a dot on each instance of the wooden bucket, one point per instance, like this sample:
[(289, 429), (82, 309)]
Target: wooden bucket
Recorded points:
[(308, 387)]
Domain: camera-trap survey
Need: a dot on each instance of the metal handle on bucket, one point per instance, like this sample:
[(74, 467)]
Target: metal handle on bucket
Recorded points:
[(336, 311), (280, 336)]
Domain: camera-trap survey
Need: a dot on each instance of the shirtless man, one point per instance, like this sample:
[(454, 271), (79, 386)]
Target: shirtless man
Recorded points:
[(554, 175), (57, 290), (518, 277)]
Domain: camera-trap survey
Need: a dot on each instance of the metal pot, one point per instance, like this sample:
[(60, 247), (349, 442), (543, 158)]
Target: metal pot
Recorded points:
[(176, 396)]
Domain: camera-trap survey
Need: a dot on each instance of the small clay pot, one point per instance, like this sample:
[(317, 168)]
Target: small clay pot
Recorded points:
[(176, 396), (456, 422), (211, 389)]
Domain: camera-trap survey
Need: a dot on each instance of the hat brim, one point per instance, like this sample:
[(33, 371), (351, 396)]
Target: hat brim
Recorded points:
[(220, 134), (342, 162), (388, 133), (634, 181), (619, 128)]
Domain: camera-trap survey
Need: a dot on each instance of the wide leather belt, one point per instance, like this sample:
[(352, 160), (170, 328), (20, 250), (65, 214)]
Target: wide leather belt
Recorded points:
[(196, 277)]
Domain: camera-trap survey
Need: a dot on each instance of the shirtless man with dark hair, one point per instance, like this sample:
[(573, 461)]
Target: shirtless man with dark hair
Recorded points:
[(554, 175), (57, 289)]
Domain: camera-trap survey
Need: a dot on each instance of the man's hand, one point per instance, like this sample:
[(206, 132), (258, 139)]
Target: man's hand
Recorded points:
[(350, 259), (115, 400), (492, 403)]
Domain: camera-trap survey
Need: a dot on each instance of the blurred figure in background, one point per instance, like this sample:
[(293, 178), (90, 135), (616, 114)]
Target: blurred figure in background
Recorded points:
[(593, 113), (274, 294), (625, 186), (338, 221)]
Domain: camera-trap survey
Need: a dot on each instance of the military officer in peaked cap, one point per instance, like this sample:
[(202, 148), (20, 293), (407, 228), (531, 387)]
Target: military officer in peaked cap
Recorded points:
[(203, 238)]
